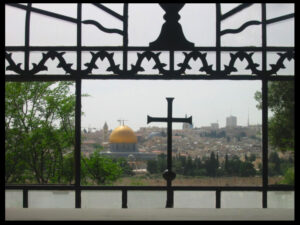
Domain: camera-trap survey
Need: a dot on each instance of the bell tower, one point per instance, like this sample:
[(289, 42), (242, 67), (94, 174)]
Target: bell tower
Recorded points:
[(105, 132)]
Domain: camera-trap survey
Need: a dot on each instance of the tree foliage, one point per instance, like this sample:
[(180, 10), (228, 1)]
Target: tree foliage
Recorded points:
[(281, 126), (212, 165), (204, 167), (40, 137), (102, 169), (281, 100), (39, 129)]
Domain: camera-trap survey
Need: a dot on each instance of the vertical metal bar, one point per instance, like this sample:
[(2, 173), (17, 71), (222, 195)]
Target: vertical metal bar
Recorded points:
[(170, 193), (169, 143), (218, 37), (265, 140), (125, 36), (77, 144), (170, 197), (264, 36), (77, 198), (218, 198), (264, 198), (27, 37), (264, 109), (79, 15), (171, 60), (124, 198), (78, 114), (25, 198)]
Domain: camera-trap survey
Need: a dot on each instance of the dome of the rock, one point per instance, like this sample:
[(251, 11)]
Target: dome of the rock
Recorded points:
[(123, 134)]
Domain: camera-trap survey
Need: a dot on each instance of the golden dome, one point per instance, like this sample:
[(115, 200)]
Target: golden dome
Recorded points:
[(123, 134)]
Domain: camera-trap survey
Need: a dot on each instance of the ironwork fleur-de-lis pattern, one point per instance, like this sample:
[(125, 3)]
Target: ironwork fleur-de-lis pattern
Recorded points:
[(171, 39), (241, 55)]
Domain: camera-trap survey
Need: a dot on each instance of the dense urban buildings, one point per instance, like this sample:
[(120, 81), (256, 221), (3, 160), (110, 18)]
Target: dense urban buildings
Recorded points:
[(149, 142)]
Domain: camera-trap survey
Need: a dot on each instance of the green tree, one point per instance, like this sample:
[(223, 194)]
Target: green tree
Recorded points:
[(281, 102), (212, 165), (289, 176), (176, 164), (102, 169), (126, 169), (199, 167), (189, 167), (247, 169), (233, 166), (274, 163), (15, 169), (39, 129), (84, 173), (98, 147), (281, 126), (152, 166), (252, 157), (217, 161), (226, 165), (69, 167), (161, 162)]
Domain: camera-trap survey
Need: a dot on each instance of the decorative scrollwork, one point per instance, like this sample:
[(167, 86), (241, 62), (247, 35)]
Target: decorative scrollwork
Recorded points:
[(102, 28), (279, 64), (195, 55), (12, 65), (41, 65), (102, 55), (137, 67)]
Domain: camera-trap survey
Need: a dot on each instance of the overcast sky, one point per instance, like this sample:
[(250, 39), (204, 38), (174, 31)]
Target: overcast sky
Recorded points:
[(206, 101)]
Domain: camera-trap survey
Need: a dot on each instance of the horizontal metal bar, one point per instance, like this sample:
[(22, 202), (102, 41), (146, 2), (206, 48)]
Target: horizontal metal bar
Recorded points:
[(54, 77), (40, 187), (280, 188), (73, 187), (182, 120), (156, 119), (234, 188), (143, 48), (216, 188), (149, 188), (19, 78), (178, 188)]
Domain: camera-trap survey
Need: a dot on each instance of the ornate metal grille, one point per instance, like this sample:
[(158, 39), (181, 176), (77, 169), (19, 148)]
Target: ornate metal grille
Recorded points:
[(171, 41)]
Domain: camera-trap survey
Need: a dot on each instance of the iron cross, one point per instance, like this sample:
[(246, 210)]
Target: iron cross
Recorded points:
[(169, 175)]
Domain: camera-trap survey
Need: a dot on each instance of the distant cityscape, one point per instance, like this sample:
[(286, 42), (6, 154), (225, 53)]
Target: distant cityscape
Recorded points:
[(189, 141)]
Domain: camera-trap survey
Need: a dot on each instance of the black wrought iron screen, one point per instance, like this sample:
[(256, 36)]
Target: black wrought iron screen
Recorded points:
[(171, 41)]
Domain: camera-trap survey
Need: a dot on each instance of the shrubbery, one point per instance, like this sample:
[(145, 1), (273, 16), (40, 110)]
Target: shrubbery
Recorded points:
[(203, 167)]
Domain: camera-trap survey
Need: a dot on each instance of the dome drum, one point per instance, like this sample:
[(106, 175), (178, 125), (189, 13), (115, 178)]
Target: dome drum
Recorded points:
[(123, 147)]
